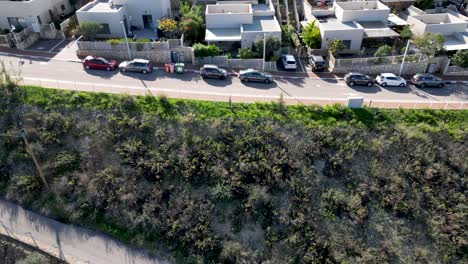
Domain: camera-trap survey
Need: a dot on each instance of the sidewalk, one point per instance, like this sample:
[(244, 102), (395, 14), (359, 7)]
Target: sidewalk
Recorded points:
[(74, 244)]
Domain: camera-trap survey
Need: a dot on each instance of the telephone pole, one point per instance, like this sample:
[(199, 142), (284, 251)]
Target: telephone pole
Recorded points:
[(36, 163)]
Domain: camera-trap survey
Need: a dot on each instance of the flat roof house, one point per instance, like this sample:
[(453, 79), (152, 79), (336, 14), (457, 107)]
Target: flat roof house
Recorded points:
[(29, 12), (352, 22), (452, 27), (240, 22), (136, 15)]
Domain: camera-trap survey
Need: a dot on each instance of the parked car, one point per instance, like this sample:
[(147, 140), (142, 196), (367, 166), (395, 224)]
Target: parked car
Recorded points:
[(255, 76), (422, 80), (136, 65), (317, 63), (91, 62), (355, 78), (212, 71), (390, 79), (289, 62)]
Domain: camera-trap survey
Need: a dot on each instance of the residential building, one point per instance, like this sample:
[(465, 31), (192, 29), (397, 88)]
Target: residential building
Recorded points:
[(240, 23), (134, 14), (29, 12), (353, 23), (452, 26)]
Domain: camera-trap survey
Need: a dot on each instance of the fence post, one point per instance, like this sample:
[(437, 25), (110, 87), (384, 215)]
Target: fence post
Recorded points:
[(461, 105)]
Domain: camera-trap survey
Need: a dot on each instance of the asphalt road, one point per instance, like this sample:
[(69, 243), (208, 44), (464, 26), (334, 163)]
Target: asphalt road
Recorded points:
[(68, 242), (67, 75)]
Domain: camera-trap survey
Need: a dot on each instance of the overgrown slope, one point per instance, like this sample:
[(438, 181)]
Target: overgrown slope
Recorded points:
[(259, 183)]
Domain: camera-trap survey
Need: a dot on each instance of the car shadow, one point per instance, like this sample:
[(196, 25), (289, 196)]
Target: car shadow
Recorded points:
[(137, 75), (218, 82), (102, 73), (447, 90), (366, 89), (396, 89), (259, 85)]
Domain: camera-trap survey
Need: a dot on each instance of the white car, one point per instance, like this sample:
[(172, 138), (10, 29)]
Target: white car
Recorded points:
[(289, 63), (390, 79)]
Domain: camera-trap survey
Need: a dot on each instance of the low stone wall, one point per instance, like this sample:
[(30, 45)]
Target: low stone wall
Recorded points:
[(455, 70), (438, 64), (223, 61), (156, 52), (25, 38)]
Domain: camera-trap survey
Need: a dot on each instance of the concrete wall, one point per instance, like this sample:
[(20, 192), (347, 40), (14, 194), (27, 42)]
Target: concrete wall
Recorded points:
[(417, 27), (249, 37), (445, 24), (354, 35), (446, 29), (112, 19), (137, 8), (456, 71), (223, 61), (215, 18), (345, 15), (156, 52), (29, 10)]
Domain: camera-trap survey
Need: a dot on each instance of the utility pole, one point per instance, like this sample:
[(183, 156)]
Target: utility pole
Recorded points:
[(264, 50), (404, 57), (36, 163), (126, 40)]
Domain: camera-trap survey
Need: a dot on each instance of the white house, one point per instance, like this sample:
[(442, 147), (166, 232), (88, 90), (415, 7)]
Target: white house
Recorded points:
[(352, 22), (240, 22), (452, 26), (29, 12), (134, 14)]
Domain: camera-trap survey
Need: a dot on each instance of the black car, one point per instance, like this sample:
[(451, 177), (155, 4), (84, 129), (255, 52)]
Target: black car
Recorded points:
[(213, 71), (422, 80), (255, 76), (355, 78)]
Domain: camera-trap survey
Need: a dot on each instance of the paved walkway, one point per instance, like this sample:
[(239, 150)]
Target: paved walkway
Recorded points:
[(68, 242)]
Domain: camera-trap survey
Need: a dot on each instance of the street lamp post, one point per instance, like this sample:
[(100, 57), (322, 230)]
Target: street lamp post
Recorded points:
[(126, 40), (264, 50), (404, 56)]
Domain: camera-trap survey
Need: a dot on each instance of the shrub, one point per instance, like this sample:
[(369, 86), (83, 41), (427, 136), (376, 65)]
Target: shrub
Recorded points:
[(65, 162), (406, 33), (460, 58), (245, 53), (311, 36), (289, 36), (430, 43), (113, 41), (335, 46), (89, 29), (384, 50), (33, 258), (272, 44), (202, 51)]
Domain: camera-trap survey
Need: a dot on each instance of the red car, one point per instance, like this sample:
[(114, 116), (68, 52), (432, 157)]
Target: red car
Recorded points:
[(99, 63)]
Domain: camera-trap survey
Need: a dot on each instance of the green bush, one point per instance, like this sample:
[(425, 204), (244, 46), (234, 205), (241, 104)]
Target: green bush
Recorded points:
[(245, 53), (383, 51), (460, 58), (202, 51), (33, 258), (311, 36), (89, 29)]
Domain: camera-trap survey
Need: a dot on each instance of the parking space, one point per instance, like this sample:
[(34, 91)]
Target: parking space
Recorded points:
[(47, 45), (301, 67)]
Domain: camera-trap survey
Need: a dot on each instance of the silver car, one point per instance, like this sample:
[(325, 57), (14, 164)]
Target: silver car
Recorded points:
[(136, 65), (251, 75)]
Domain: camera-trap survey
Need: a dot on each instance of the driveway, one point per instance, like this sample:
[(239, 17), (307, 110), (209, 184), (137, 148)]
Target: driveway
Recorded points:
[(68, 242)]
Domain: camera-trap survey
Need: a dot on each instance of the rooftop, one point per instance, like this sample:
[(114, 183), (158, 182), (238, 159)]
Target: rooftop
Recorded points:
[(377, 29), (444, 18), (332, 23), (456, 42), (100, 7), (229, 9), (223, 34), (262, 24), (361, 5)]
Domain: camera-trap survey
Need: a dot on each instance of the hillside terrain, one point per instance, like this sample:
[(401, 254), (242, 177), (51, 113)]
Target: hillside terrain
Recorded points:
[(243, 183), (15, 252)]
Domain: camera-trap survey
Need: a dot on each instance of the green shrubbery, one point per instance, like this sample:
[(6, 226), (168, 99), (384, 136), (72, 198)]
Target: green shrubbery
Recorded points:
[(243, 183)]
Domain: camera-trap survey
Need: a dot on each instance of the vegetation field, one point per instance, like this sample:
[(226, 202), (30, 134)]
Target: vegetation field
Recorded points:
[(212, 182)]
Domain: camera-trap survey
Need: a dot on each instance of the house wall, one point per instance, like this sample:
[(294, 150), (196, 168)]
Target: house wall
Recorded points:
[(222, 18), (29, 10), (446, 29), (417, 26), (112, 19), (249, 37), (354, 35), (345, 15), (137, 8)]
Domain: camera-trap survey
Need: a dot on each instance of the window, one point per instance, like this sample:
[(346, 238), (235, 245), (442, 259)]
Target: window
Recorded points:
[(104, 30), (347, 44), (63, 7)]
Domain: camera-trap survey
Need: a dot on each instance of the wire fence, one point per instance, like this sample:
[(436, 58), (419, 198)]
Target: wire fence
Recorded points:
[(233, 97)]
